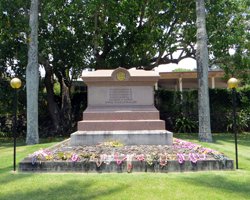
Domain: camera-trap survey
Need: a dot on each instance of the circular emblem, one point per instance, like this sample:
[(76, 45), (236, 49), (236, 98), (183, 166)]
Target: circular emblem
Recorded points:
[(121, 76)]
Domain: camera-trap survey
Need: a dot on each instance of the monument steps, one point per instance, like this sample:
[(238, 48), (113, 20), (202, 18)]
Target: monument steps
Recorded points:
[(121, 115), (128, 137), (116, 125)]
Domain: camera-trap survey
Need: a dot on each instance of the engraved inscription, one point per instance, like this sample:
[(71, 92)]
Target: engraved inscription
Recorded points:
[(120, 96)]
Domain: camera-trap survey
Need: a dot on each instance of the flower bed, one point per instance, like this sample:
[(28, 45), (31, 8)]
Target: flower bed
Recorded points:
[(104, 154)]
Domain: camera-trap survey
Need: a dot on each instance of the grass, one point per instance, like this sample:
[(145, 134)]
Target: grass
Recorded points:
[(214, 185)]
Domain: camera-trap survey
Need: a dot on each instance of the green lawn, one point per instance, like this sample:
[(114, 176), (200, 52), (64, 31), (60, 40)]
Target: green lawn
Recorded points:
[(196, 185)]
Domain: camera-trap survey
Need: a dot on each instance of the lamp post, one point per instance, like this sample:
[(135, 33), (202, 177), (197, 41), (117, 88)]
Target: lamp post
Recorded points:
[(15, 84), (233, 84)]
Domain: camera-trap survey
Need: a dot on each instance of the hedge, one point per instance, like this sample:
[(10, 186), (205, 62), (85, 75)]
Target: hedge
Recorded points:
[(179, 110)]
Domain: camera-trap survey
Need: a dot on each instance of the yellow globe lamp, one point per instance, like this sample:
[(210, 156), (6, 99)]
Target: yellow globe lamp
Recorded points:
[(15, 83), (232, 83)]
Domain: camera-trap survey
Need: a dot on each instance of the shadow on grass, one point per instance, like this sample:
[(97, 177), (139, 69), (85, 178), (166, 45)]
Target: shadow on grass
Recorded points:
[(243, 138), (224, 184), (6, 169), (10, 177), (79, 190), (8, 142)]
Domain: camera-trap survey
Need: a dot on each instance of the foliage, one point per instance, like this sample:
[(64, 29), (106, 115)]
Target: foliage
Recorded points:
[(180, 151), (173, 107), (185, 125), (243, 111), (79, 103), (57, 89), (237, 65), (230, 27), (242, 121), (180, 111), (105, 34), (13, 38), (6, 109), (234, 36), (182, 70), (113, 143), (5, 97)]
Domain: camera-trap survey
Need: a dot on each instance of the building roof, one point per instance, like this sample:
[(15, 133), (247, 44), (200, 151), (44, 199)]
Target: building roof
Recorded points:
[(191, 74)]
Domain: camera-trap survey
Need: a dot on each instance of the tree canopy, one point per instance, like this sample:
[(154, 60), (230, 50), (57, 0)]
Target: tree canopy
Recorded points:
[(79, 34), (106, 34)]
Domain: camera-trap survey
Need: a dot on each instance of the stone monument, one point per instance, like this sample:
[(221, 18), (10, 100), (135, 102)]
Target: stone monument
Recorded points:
[(121, 107)]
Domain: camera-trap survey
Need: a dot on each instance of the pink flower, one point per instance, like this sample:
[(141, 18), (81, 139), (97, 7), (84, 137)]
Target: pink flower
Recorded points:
[(181, 158), (119, 161), (193, 158), (140, 157), (42, 154), (75, 157)]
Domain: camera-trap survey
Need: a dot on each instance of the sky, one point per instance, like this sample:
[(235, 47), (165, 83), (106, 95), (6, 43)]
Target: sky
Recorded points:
[(187, 63)]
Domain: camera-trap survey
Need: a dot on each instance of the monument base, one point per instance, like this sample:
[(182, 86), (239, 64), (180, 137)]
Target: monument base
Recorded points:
[(145, 137)]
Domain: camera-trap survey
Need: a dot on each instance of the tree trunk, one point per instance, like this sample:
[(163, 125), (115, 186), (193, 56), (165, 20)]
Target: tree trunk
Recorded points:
[(32, 77), (66, 118), (52, 105), (202, 68)]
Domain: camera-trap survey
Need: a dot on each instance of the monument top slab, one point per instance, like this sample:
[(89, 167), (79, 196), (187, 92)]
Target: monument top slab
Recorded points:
[(121, 75)]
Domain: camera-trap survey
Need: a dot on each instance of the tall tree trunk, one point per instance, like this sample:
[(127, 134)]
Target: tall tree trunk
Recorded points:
[(202, 67), (52, 105), (32, 77)]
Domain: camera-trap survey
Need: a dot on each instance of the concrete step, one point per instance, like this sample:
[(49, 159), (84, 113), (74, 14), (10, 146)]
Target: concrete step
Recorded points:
[(121, 115), (146, 137), (116, 125)]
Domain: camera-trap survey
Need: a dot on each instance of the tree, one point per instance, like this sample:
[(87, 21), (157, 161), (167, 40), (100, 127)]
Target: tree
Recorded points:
[(32, 77), (236, 37), (237, 65), (140, 33), (202, 70), (63, 53), (13, 37), (105, 34)]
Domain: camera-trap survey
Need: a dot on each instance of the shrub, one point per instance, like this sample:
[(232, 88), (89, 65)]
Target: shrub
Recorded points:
[(180, 110)]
